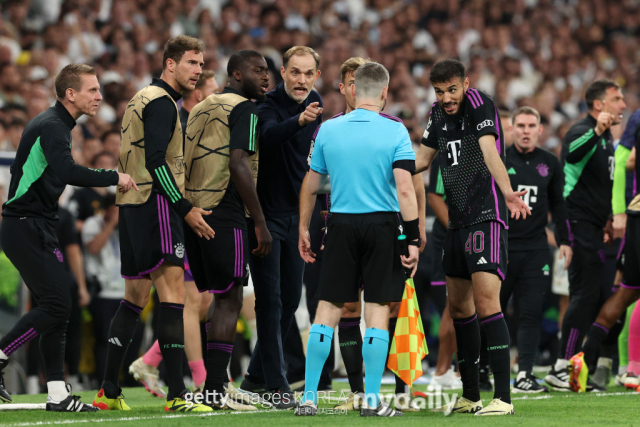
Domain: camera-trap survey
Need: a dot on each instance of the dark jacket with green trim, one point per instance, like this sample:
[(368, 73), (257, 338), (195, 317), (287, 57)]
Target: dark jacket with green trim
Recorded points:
[(43, 166), (588, 172)]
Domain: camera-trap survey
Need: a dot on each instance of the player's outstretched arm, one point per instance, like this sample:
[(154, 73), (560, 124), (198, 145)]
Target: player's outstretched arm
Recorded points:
[(492, 159), (424, 157), (242, 177)]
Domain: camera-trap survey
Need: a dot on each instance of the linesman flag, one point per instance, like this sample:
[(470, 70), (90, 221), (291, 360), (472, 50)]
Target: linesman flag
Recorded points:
[(409, 345)]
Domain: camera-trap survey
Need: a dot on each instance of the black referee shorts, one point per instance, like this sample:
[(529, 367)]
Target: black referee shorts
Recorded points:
[(150, 235), (479, 247), (220, 263), (362, 249)]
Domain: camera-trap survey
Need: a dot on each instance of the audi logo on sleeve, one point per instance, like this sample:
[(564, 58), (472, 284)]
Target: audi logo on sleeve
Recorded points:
[(485, 124)]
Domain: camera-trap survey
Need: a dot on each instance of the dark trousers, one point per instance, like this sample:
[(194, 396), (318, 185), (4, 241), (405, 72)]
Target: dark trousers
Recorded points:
[(277, 281), (585, 284), (292, 347), (31, 244), (528, 280)]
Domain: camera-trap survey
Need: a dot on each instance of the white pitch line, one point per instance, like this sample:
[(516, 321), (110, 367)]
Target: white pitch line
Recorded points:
[(159, 417)]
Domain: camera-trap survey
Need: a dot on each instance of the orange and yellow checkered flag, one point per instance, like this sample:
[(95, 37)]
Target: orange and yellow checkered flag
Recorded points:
[(409, 345)]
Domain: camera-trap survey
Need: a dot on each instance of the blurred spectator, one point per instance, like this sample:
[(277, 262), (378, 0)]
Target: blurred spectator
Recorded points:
[(88, 201), (111, 142)]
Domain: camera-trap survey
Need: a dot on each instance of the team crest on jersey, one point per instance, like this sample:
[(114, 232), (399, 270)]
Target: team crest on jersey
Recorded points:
[(179, 250), (543, 169), (179, 164)]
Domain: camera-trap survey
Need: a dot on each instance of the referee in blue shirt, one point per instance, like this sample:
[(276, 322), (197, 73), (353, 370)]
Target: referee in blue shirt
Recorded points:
[(363, 230)]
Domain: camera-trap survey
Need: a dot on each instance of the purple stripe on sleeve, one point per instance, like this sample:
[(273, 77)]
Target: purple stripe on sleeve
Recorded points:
[(570, 233), (476, 93), (474, 103), (624, 285)]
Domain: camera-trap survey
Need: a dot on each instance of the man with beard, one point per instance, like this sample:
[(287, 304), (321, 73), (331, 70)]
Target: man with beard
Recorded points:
[(464, 127), (221, 158)]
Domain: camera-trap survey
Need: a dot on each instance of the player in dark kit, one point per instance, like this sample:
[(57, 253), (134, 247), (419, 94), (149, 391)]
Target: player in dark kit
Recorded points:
[(221, 158), (150, 223), (464, 127), (529, 277), (588, 168), (42, 168)]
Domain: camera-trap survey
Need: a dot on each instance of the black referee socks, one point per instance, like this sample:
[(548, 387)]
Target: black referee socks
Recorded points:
[(468, 340), (123, 326), (350, 340), (498, 348), (171, 340)]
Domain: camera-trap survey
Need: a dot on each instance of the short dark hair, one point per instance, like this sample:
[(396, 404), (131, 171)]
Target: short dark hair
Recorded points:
[(446, 70), (597, 89), (177, 46), (108, 132), (300, 51), (70, 77), (530, 111), (239, 58)]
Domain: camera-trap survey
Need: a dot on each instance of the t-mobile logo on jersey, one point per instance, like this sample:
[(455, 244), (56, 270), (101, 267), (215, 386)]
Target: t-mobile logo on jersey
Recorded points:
[(531, 197), (453, 152)]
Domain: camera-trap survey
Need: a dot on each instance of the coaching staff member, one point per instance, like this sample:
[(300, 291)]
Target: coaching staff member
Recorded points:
[(41, 170), (588, 169), (362, 232), (287, 120)]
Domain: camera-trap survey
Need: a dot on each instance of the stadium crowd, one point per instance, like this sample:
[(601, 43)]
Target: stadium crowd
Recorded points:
[(539, 53)]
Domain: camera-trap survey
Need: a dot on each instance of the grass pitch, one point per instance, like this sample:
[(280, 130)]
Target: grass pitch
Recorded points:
[(615, 407)]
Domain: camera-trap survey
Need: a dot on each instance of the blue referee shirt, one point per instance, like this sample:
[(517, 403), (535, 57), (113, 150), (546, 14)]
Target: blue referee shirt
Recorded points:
[(358, 151)]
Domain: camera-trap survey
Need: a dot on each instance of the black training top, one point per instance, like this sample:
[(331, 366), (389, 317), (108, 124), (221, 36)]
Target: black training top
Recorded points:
[(230, 211), (472, 194), (284, 148), (43, 166), (540, 174), (588, 172)]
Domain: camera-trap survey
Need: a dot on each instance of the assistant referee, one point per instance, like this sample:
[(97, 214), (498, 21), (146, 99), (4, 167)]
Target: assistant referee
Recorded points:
[(361, 244)]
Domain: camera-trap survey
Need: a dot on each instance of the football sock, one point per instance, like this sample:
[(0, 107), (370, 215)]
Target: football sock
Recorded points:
[(218, 356), (121, 332), (400, 385), (350, 340), (198, 371), (634, 341), (153, 356), (171, 340), (375, 347), (623, 338), (499, 358), (57, 391), (468, 340), (596, 335), (318, 347)]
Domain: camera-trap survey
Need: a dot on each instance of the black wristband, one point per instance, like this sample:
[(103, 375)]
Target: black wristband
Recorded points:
[(412, 229)]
